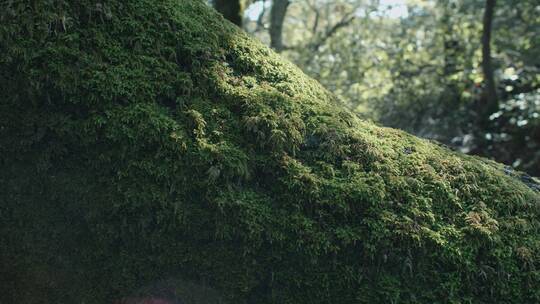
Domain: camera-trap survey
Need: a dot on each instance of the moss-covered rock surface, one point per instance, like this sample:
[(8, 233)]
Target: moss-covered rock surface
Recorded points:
[(145, 140)]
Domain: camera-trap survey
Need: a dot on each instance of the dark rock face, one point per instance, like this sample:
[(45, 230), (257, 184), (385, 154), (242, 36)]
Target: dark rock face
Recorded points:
[(142, 140)]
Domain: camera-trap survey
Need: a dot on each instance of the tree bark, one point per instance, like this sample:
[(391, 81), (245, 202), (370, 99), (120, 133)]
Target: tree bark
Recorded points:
[(489, 101), (277, 17), (232, 10)]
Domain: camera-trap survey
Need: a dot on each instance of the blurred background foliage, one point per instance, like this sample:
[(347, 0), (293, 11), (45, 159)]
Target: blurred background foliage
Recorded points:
[(423, 66)]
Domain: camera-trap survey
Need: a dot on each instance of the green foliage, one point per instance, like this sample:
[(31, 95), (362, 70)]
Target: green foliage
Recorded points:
[(143, 141), (420, 71)]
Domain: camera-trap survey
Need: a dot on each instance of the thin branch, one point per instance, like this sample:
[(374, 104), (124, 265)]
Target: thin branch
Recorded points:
[(347, 19)]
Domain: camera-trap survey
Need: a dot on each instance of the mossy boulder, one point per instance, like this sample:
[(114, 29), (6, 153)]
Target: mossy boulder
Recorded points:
[(144, 141)]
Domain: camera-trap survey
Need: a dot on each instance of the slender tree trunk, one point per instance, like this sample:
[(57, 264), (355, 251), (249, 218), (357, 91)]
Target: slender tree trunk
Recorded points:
[(489, 101), (487, 104), (232, 10), (451, 44), (277, 16)]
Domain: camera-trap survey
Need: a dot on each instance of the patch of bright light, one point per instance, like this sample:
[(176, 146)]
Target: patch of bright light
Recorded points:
[(254, 10), (389, 8), (393, 8)]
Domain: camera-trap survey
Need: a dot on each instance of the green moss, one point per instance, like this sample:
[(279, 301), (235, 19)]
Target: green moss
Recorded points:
[(146, 140)]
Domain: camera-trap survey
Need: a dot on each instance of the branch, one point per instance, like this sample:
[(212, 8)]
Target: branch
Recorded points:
[(315, 10), (315, 46), (332, 31)]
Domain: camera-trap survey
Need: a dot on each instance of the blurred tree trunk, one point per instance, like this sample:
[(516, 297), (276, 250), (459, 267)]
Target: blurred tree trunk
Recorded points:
[(277, 16), (450, 43), (232, 10), (489, 96)]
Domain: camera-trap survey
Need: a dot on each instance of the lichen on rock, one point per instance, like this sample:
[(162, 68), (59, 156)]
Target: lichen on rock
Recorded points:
[(146, 140)]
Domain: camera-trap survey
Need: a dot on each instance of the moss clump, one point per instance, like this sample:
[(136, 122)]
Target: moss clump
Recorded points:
[(151, 140)]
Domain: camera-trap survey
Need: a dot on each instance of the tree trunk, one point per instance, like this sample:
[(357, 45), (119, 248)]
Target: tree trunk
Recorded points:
[(489, 96), (232, 10), (277, 16)]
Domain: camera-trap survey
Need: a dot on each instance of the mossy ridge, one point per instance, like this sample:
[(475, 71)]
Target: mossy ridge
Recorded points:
[(159, 139)]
